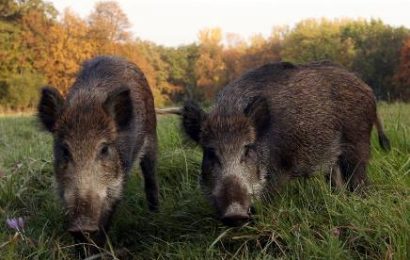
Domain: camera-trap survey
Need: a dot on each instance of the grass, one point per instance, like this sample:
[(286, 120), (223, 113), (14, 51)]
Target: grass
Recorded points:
[(307, 220)]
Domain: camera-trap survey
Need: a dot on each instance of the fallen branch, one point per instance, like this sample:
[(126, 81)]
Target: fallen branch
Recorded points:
[(169, 110)]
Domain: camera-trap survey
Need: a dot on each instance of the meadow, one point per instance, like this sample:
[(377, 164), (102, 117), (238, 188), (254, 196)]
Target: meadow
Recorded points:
[(306, 221)]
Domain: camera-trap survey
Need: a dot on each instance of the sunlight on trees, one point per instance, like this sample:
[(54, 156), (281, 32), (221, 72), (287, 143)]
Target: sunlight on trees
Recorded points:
[(38, 47)]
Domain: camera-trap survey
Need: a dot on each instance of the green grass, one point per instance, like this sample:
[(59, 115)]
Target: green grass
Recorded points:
[(306, 221)]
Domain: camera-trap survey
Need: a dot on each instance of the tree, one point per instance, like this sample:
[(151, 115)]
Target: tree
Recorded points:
[(313, 40), (22, 36), (140, 53), (262, 51), (180, 71), (241, 56), (109, 25), (9, 10), (377, 53), (210, 67), (36, 47), (233, 56), (402, 76), (20, 91), (68, 45)]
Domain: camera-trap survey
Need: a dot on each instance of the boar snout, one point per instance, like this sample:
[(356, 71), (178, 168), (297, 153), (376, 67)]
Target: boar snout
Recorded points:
[(87, 235), (233, 201), (85, 213), (83, 225), (236, 219)]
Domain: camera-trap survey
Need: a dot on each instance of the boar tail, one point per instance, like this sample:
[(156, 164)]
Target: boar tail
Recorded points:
[(169, 110), (383, 140)]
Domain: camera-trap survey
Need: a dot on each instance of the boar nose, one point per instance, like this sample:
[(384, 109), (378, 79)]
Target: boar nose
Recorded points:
[(85, 229), (82, 226), (235, 220)]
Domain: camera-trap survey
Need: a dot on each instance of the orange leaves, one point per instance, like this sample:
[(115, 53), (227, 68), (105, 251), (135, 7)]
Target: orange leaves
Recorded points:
[(68, 47), (402, 77)]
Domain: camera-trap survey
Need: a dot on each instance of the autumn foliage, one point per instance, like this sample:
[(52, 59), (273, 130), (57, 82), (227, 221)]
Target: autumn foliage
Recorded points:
[(39, 46), (402, 76)]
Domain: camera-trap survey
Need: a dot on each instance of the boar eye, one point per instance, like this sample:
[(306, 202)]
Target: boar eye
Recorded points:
[(249, 150), (105, 150), (210, 154), (65, 152)]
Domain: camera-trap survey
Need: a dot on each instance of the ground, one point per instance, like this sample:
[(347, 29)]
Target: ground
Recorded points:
[(307, 220)]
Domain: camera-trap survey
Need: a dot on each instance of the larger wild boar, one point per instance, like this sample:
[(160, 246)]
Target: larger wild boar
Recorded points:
[(105, 123), (282, 121)]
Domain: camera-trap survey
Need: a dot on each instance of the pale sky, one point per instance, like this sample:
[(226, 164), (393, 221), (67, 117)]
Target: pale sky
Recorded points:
[(175, 22)]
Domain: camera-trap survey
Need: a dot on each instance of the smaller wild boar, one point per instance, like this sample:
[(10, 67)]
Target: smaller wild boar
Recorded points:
[(106, 122), (281, 121)]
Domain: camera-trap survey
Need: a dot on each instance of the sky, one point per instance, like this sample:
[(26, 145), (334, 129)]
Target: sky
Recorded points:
[(176, 22)]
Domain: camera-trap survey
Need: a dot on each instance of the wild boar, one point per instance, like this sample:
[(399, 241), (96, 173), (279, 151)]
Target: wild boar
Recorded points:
[(106, 122), (281, 121)]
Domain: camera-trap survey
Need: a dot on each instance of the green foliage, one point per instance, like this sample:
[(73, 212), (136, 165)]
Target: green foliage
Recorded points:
[(369, 48), (181, 69), (11, 48), (313, 40), (377, 53), (402, 75), (34, 41), (306, 221), (21, 91), (20, 80), (8, 9)]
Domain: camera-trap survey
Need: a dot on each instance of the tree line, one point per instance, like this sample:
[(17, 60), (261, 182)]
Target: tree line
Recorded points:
[(39, 47)]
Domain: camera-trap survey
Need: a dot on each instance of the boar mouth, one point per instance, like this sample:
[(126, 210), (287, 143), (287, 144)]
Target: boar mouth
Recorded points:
[(96, 236), (84, 225), (88, 244), (237, 218), (86, 237)]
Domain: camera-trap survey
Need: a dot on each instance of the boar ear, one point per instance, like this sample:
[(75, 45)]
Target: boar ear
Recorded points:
[(119, 106), (192, 118), (258, 112), (50, 107)]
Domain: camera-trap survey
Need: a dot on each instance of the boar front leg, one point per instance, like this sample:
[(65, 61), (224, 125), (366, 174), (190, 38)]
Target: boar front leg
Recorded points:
[(335, 178), (353, 164), (147, 164)]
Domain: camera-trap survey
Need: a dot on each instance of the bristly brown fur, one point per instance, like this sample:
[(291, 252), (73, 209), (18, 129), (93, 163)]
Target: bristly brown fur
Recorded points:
[(106, 122), (314, 117)]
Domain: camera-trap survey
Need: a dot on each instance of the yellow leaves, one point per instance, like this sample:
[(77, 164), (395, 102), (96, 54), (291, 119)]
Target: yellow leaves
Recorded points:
[(108, 22), (210, 37), (74, 40), (314, 39), (68, 47), (55, 49), (210, 66), (217, 64)]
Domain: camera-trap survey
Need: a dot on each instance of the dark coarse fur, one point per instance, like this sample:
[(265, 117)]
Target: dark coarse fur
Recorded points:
[(104, 124), (103, 75), (320, 113), (306, 118)]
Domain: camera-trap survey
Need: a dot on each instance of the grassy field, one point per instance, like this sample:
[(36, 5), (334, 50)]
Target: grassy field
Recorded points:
[(306, 221)]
